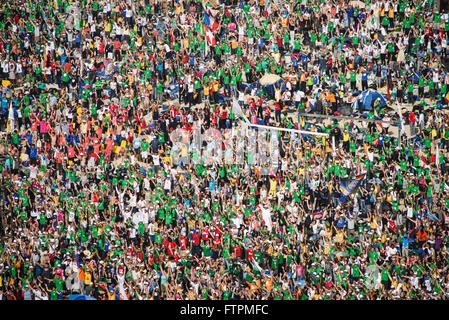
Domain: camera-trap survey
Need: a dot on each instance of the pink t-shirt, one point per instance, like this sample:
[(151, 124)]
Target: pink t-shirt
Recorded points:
[(44, 127), (60, 216), (58, 272), (299, 270)]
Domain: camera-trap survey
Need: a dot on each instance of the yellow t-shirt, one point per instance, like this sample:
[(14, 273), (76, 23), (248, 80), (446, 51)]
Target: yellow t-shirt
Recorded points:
[(373, 224), (273, 184), (390, 13), (434, 133), (284, 23), (87, 278), (168, 160)]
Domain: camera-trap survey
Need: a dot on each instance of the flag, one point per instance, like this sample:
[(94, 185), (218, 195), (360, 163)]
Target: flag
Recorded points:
[(348, 186), (210, 22), (210, 36), (143, 172), (333, 144), (424, 159), (388, 93), (446, 188), (237, 110), (391, 225), (122, 293), (302, 122)]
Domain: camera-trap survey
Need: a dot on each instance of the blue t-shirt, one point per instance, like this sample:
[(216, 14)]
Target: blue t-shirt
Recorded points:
[(304, 58), (33, 153), (365, 75), (29, 138), (294, 62), (4, 105), (405, 242), (341, 222), (350, 12)]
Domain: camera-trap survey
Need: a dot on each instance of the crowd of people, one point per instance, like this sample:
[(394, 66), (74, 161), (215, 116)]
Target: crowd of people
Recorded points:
[(93, 203)]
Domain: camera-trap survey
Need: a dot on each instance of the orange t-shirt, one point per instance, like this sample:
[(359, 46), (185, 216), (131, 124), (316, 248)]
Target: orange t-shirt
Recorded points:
[(109, 145), (81, 275), (71, 152), (422, 236), (269, 285)]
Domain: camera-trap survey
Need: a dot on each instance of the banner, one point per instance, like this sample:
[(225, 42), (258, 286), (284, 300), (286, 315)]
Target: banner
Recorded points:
[(348, 186)]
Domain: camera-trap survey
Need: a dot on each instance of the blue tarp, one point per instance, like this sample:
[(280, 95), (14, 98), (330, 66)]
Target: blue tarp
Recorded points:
[(365, 99), (80, 297)]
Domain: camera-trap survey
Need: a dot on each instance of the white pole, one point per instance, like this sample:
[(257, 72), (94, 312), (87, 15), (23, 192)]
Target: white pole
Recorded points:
[(289, 130), (437, 157), (238, 111), (402, 128), (333, 146), (205, 44)]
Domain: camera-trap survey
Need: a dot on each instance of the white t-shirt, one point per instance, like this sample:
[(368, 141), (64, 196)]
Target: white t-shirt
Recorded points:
[(167, 184), (156, 160), (151, 228)]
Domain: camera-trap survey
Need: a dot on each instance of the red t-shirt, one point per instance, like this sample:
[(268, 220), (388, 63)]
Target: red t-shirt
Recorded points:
[(206, 234), (171, 248), (183, 243), (117, 45), (238, 252), (196, 238), (224, 115), (217, 241), (67, 67)]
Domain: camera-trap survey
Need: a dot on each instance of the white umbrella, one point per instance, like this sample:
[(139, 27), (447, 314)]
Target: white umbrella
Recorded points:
[(269, 79), (357, 4)]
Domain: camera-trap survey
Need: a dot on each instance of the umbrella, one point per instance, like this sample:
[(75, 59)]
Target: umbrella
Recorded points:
[(80, 297), (363, 102), (357, 4), (346, 110), (214, 4), (174, 103), (269, 79), (290, 75)]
